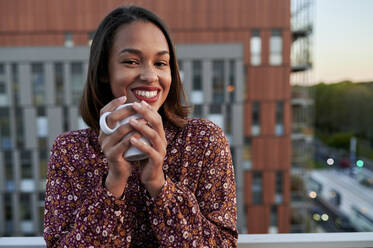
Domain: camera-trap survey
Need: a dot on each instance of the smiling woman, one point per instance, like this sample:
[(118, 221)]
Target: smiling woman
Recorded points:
[(182, 194)]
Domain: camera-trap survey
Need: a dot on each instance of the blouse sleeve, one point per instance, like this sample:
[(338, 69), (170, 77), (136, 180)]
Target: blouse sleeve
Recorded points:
[(92, 222), (206, 218)]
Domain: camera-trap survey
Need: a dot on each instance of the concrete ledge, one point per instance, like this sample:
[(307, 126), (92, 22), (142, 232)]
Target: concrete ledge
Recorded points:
[(304, 240)]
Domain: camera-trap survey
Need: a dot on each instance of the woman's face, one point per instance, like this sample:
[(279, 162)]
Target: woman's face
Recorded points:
[(139, 64)]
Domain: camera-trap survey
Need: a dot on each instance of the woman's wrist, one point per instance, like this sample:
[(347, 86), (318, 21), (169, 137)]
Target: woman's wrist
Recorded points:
[(154, 188), (115, 185)]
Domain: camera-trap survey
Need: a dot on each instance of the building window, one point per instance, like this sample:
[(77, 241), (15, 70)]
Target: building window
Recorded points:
[(181, 69), (58, 80), (43, 157), (246, 153), (279, 127), (4, 100), (38, 83), (275, 43), (180, 64), (255, 48), (218, 74), (14, 80), (216, 114), (42, 123), (19, 126), (257, 188), (69, 42), (198, 111), (41, 209), (6, 142), (26, 164), (197, 74), (9, 163), (232, 79), (2, 88), (66, 117), (228, 122), (9, 228), (273, 225), (77, 82), (3, 92), (25, 213), (197, 91), (255, 126), (279, 187)]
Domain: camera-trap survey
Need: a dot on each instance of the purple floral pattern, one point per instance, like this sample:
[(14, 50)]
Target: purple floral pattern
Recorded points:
[(195, 208)]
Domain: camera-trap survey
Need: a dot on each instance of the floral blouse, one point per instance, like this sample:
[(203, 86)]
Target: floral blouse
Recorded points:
[(195, 208)]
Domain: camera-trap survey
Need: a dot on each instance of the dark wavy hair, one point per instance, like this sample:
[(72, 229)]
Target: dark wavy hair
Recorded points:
[(97, 93)]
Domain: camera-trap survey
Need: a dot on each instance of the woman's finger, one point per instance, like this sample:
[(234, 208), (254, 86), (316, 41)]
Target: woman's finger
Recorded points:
[(122, 146), (149, 133), (112, 119), (150, 115), (144, 147), (116, 137), (113, 104), (118, 115)]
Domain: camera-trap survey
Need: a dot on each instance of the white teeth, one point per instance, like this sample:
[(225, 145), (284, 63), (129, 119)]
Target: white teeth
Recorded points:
[(147, 94)]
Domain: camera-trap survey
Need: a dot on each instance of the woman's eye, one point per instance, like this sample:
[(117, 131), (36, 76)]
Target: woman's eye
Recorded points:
[(161, 63), (130, 62)]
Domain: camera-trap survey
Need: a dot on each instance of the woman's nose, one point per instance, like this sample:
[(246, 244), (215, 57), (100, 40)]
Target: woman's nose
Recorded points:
[(148, 74)]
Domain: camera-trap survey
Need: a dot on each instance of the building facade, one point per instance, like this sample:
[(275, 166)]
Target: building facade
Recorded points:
[(302, 111), (235, 64)]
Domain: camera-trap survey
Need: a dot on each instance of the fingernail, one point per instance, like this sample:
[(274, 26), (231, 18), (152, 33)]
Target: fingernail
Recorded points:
[(123, 98), (137, 105), (145, 103), (134, 140), (134, 121)]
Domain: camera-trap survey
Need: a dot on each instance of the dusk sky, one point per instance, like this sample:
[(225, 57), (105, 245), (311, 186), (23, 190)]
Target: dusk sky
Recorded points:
[(343, 40)]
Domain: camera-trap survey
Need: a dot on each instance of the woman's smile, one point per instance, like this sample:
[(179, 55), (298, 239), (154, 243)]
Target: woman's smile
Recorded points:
[(146, 93)]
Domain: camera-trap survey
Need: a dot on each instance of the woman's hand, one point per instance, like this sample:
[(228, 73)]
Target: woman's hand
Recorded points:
[(114, 145), (151, 173)]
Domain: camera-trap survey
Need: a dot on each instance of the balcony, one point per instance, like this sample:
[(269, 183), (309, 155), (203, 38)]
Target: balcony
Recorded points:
[(305, 240), (300, 68)]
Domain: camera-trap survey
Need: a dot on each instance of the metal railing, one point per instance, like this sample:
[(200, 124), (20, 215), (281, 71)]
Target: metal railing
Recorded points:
[(304, 240)]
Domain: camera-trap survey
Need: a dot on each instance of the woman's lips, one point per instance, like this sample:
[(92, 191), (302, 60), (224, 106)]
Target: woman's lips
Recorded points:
[(148, 94)]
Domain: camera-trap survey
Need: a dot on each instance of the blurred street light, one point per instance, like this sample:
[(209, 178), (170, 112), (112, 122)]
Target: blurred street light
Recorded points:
[(325, 217), (360, 163), (330, 161), (316, 217), (230, 88), (312, 194)]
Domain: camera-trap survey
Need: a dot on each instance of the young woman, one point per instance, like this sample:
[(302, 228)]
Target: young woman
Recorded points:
[(182, 195)]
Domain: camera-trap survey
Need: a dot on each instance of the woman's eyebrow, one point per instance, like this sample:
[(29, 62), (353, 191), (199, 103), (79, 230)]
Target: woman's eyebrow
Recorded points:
[(160, 53), (131, 50), (138, 52)]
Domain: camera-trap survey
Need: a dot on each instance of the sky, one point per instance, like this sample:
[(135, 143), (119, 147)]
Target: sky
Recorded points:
[(343, 40)]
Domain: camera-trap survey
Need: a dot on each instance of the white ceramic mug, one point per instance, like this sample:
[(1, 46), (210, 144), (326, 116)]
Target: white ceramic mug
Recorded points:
[(132, 154)]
